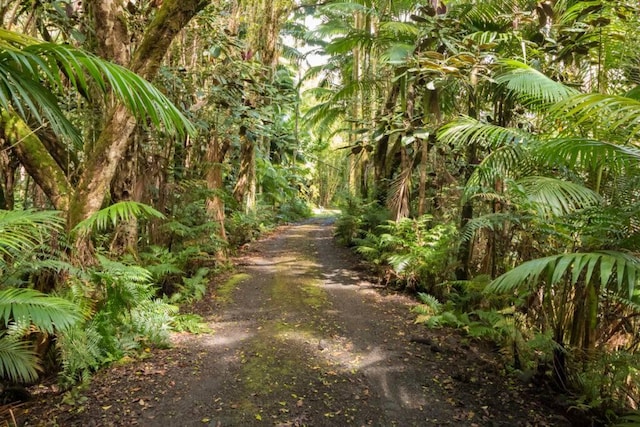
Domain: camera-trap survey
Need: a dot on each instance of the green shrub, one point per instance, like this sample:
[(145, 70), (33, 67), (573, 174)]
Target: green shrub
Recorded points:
[(243, 227), (293, 210), (416, 253), (357, 219)]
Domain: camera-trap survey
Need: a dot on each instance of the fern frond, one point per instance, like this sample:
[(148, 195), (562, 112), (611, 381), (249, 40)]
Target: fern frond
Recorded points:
[(400, 262), (430, 301), (159, 271), (117, 271)]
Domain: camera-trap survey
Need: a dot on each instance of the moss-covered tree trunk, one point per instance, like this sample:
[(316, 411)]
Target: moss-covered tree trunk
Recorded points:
[(37, 160), (115, 137)]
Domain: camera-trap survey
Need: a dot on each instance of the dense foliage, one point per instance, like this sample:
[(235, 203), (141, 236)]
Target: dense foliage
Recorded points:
[(484, 154), (501, 137), (154, 183)]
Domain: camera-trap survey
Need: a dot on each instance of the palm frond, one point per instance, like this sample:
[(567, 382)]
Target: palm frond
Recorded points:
[(399, 30), (25, 63), (611, 111), (325, 116), (112, 215), (466, 129), (552, 196), (398, 194), (495, 14), (488, 221), (487, 37), (531, 86), (20, 231), (587, 154), (18, 361), (398, 53), (505, 163), (28, 306), (609, 269)]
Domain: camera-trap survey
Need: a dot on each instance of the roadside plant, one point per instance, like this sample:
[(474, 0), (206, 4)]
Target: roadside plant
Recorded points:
[(28, 318), (416, 252)]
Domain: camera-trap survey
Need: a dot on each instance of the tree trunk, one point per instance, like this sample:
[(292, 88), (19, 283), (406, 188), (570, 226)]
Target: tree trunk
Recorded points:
[(36, 160), (466, 214), (8, 166), (216, 153), (114, 139), (422, 185), (242, 191), (123, 189), (112, 38)]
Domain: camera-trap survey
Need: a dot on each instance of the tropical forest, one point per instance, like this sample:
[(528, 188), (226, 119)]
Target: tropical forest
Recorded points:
[(319, 213)]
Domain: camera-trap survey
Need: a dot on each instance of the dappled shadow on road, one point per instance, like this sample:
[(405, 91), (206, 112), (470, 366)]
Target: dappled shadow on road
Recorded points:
[(303, 339), (446, 382)]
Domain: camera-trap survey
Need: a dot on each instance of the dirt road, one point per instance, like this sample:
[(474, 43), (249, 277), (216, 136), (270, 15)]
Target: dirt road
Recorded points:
[(300, 339)]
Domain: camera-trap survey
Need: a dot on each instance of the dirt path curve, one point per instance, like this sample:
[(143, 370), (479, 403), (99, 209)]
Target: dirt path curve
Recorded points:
[(299, 339)]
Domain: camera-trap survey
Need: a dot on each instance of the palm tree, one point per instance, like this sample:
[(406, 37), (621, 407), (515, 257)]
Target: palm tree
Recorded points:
[(25, 313), (32, 74), (580, 180)]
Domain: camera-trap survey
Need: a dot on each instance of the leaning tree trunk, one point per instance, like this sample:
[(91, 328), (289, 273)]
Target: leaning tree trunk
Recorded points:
[(36, 160)]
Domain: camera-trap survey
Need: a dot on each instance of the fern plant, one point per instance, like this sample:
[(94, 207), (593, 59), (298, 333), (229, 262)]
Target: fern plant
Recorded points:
[(417, 253), (193, 288), (129, 314)]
